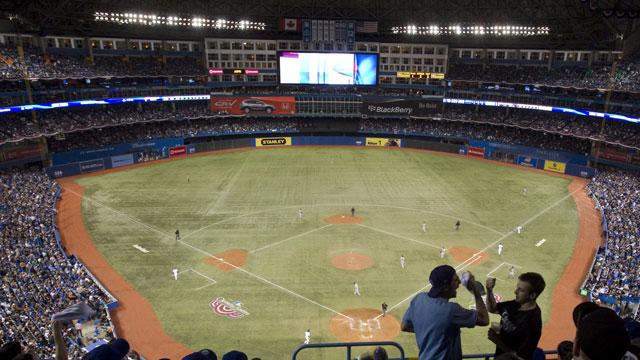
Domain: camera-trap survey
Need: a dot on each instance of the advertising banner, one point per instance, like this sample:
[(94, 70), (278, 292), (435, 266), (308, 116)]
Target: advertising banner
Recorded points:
[(554, 166), (121, 160), (113, 150), (614, 154), (527, 161), (382, 142), (274, 141), (178, 150), (22, 153), (92, 165), (257, 105), (401, 107), (63, 170), (476, 151)]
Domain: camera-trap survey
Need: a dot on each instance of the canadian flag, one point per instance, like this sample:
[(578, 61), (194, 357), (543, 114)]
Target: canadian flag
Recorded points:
[(289, 24)]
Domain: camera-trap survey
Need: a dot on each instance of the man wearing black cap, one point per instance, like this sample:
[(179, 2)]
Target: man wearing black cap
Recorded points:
[(437, 322)]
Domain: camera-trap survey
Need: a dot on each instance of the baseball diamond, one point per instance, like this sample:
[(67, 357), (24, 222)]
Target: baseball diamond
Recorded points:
[(297, 272)]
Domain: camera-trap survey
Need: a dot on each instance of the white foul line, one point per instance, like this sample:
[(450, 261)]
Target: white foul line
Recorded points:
[(132, 219), (488, 246), (469, 261), (398, 236), (216, 258), (531, 219), (204, 276), (287, 239), (205, 286), (264, 280), (495, 269)]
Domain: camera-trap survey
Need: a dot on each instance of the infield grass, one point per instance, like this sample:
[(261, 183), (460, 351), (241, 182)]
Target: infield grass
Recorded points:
[(250, 199)]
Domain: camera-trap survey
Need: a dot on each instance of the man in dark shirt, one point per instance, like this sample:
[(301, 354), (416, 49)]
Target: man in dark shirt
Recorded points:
[(521, 320)]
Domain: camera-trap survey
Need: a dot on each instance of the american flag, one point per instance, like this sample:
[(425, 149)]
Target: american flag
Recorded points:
[(368, 27)]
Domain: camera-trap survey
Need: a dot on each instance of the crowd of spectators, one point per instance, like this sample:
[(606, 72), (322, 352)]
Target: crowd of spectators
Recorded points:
[(626, 76), (565, 132), (172, 128), (42, 66), (38, 280), (614, 132), (216, 126), (465, 130), (616, 271)]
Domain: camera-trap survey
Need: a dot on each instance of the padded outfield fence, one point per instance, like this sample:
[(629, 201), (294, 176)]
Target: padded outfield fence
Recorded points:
[(89, 160)]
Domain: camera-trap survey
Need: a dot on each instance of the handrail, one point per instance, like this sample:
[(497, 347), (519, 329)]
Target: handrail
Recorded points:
[(490, 356), (606, 240), (349, 345)]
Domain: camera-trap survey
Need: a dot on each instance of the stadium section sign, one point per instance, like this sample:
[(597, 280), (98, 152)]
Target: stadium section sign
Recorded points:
[(275, 141), (401, 107), (258, 105)]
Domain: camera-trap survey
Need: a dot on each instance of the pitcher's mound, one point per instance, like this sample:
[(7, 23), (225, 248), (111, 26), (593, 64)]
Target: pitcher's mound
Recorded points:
[(351, 261), (343, 219), (364, 325), (462, 254), (228, 260)]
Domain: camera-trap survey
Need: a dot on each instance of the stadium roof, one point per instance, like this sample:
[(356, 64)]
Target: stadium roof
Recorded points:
[(579, 23)]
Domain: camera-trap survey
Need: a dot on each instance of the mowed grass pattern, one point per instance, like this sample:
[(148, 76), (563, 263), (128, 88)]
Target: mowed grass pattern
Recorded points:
[(250, 199)]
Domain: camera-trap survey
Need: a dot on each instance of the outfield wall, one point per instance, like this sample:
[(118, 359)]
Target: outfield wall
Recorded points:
[(90, 160)]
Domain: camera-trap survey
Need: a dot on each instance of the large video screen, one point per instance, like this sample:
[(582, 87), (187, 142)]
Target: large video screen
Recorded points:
[(327, 68)]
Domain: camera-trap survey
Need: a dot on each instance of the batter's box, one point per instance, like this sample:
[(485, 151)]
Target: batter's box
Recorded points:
[(194, 279)]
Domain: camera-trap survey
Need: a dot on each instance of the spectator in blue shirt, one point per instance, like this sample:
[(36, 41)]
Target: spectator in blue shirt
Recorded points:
[(436, 322)]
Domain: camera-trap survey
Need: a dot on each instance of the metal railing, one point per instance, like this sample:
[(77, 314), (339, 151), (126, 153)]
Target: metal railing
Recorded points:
[(490, 356), (348, 346)]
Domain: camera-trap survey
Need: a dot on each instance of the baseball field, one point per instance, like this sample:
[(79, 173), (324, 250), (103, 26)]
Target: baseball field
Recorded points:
[(269, 247)]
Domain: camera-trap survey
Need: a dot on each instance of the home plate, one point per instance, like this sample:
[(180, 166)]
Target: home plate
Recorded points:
[(540, 242), (141, 248)]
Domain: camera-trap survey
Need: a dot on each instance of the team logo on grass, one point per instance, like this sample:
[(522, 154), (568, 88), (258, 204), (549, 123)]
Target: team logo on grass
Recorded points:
[(230, 309)]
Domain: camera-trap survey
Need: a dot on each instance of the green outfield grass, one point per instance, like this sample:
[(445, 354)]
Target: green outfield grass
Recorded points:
[(249, 200)]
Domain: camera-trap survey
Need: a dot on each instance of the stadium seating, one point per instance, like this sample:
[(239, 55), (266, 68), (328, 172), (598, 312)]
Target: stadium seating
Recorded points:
[(38, 279), (616, 273)]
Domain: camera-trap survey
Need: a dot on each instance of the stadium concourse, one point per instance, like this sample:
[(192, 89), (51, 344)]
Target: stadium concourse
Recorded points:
[(550, 100)]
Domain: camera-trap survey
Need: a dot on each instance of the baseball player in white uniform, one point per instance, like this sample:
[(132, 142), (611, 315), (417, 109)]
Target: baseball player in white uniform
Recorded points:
[(524, 191), (424, 227), (175, 273), (443, 251), (300, 213), (402, 261), (307, 336), (519, 230), (512, 272), (500, 247), (356, 288)]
